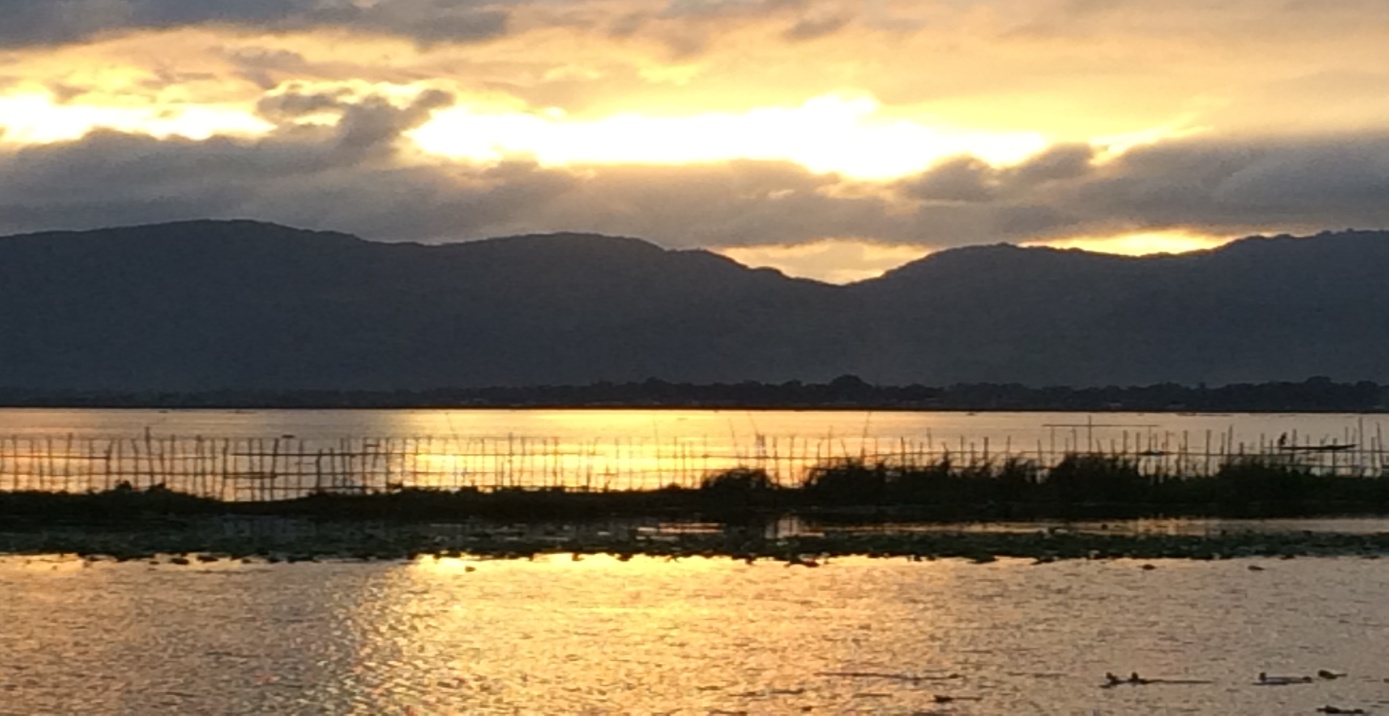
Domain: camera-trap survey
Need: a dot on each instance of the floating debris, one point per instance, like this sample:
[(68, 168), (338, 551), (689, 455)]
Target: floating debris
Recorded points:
[(1266, 680), (881, 675), (1134, 679)]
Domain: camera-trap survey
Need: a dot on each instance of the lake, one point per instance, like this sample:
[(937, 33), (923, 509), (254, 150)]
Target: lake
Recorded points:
[(236, 453), (696, 636)]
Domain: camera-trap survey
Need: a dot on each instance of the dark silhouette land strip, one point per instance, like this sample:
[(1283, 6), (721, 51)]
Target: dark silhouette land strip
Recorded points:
[(847, 392), (856, 505), (244, 306)]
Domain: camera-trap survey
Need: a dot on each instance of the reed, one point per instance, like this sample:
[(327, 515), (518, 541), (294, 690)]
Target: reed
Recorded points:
[(1077, 469), (1081, 486)]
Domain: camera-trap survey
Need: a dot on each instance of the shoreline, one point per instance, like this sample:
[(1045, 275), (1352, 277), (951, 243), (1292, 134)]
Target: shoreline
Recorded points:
[(713, 407), (1316, 394), (275, 539)]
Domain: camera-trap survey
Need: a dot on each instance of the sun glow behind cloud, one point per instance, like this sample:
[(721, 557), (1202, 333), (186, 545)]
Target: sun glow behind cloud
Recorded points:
[(831, 133), (33, 118), (849, 135)]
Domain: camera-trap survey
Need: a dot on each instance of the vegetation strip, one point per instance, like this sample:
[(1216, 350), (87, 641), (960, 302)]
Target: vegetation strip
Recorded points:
[(277, 539), (1086, 486), (129, 523)]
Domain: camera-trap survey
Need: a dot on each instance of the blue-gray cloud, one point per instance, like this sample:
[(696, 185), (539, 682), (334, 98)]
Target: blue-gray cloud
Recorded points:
[(1207, 184), (50, 22)]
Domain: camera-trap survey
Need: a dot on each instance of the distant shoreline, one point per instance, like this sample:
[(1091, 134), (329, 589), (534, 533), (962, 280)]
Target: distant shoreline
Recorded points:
[(846, 393), (674, 408)]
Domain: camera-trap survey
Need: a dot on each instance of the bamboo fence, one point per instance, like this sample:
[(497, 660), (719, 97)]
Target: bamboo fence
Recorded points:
[(285, 467)]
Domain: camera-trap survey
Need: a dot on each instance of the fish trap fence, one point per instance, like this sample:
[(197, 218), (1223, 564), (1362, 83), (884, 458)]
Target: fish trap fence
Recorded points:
[(279, 468)]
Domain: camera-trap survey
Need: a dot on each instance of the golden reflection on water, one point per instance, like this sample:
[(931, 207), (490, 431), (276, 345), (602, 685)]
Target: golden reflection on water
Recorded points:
[(692, 636), (599, 634)]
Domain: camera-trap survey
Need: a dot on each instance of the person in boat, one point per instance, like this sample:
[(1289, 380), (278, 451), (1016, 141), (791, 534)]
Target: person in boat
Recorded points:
[(1134, 678), (1111, 679)]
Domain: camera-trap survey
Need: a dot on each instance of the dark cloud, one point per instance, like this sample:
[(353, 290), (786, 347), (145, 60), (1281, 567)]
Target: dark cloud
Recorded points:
[(972, 180), (264, 67), (741, 203), (295, 103), (375, 122), (363, 125), (691, 27), (811, 28), (962, 179), (299, 178), (304, 175), (1063, 161), (46, 22), (1207, 184), (352, 175)]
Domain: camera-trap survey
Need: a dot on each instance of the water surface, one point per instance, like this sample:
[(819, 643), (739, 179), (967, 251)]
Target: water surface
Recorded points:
[(688, 637)]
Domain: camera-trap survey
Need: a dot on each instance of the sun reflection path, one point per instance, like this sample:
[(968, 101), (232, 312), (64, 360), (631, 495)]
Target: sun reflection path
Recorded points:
[(608, 633)]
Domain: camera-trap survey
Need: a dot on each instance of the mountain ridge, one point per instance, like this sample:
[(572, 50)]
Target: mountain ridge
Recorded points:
[(206, 305)]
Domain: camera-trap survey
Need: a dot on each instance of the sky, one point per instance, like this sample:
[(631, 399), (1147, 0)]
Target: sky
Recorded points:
[(829, 138)]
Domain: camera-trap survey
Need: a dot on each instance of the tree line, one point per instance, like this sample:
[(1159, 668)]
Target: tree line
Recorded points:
[(1316, 394)]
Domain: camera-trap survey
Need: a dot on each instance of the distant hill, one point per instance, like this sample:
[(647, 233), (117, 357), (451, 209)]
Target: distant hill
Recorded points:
[(244, 305), (1258, 309)]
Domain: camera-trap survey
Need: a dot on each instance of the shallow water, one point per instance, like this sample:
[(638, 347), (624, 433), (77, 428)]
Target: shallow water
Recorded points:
[(688, 637)]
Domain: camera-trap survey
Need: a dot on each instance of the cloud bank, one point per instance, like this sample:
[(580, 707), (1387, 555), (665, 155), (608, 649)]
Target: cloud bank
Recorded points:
[(1212, 119), (357, 174)]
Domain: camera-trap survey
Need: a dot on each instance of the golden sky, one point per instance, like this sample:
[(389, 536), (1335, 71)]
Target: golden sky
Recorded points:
[(829, 138)]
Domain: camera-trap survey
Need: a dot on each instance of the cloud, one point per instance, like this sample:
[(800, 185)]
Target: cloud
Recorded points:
[(357, 175), (352, 169), (967, 179), (1100, 69), (811, 28), (345, 173), (47, 22), (1208, 184), (376, 122)]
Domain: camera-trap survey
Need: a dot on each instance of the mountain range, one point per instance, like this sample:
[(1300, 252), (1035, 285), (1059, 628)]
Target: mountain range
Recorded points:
[(214, 305)]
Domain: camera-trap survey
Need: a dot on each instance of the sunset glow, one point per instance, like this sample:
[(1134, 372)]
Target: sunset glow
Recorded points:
[(828, 138), (1140, 244), (39, 119), (832, 133), (832, 260)]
